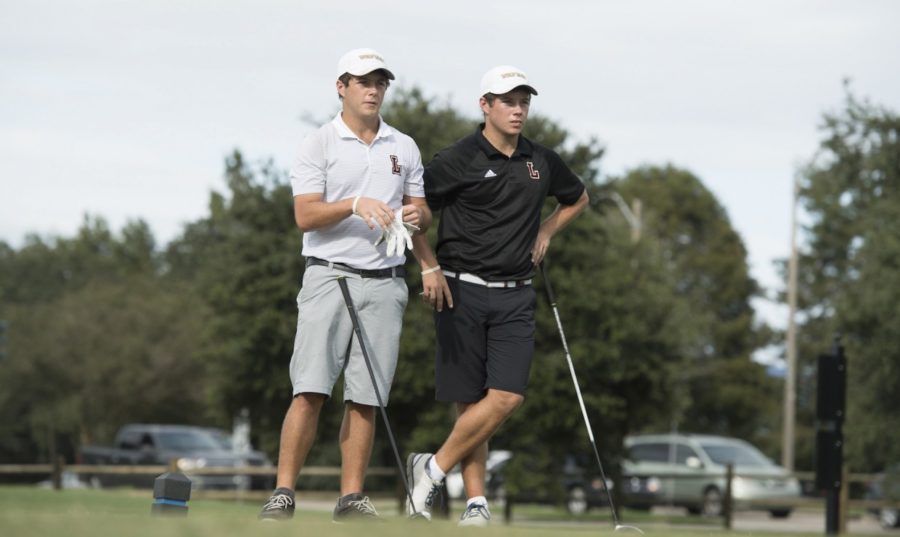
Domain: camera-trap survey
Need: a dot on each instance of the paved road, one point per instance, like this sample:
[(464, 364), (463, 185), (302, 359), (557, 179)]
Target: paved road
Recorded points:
[(802, 521), (799, 521)]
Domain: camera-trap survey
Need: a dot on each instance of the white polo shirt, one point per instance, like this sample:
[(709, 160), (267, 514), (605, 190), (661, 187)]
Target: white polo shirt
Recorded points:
[(334, 162)]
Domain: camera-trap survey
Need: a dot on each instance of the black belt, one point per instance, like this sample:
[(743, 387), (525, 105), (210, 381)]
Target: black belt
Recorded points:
[(393, 272)]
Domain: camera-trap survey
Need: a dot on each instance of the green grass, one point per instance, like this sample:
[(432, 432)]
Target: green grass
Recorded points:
[(30, 511)]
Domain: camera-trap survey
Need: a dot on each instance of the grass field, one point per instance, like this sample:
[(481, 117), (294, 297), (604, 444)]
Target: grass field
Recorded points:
[(31, 511)]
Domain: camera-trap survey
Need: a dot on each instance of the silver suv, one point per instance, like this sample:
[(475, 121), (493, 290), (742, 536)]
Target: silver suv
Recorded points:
[(688, 470)]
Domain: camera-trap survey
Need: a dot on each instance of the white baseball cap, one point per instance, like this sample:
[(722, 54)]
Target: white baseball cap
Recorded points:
[(362, 61), (503, 79)]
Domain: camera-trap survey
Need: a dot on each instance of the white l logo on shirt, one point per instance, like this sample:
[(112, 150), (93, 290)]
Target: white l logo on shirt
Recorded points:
[(490, 173)]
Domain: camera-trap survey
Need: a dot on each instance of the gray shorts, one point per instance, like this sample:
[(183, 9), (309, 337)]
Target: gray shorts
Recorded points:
[(325, 343)]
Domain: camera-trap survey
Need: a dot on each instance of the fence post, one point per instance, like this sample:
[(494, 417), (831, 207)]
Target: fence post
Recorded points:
[(58, 463), (845, 499), (726, 501), (507, 510)]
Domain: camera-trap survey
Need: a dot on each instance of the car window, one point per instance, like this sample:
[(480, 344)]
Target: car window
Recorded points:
[(651, 452), (683, 452), (188, 441), (129, 439), (735, 454), (146, 441), (223, 439)]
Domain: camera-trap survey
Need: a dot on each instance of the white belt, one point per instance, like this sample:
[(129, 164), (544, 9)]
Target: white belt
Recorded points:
[(471, 278)]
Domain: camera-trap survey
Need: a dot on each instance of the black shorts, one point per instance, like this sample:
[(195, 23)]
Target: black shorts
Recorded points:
[(485, 341)]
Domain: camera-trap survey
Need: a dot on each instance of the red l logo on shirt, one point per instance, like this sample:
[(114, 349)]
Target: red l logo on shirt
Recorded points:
[(535, 174), (395, 165)]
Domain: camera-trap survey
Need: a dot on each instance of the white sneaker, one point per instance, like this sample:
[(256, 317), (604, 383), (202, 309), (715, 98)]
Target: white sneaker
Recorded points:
[(476, 515), (424, 490)]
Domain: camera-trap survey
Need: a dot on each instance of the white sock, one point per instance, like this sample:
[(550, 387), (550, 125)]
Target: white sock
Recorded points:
[(476, 500), (434, 471)]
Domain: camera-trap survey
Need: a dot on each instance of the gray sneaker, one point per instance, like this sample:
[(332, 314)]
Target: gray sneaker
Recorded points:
[(475, 515), (279, 506), (354, 508), (424, 490)]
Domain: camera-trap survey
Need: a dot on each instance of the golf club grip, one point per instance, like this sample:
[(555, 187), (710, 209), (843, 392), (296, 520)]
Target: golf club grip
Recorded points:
[(550, 296)]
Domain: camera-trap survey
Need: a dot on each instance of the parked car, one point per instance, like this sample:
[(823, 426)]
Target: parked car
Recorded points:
[(885, 489), (584, 489), (689, 471), (193, 448)]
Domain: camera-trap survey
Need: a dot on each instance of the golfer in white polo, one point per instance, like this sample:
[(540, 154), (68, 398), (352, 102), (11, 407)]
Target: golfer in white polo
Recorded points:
[(354, 178)]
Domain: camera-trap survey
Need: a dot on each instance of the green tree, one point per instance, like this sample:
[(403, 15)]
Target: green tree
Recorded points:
[(96, 340), (849, 191), (729, 393), (244, 260)]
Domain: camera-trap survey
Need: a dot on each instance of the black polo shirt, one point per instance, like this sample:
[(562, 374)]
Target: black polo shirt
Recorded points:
[(491, 204)]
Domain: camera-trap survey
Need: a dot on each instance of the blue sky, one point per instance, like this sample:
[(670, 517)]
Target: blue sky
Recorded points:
[(126, 109)]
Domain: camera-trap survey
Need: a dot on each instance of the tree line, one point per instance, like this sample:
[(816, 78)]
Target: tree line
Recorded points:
[(108, 327)]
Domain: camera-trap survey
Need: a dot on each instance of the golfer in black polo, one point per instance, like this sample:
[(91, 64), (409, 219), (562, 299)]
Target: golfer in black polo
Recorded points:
[(489, 187)]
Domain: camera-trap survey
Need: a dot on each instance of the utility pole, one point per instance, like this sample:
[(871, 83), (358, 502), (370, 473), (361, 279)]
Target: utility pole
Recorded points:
[(790, 374), (3, 326), (632, 214)]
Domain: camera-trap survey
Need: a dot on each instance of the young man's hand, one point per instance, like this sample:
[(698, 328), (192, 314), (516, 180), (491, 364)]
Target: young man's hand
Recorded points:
[(435, 291), (541, 245), (412, 217), (374, 212)]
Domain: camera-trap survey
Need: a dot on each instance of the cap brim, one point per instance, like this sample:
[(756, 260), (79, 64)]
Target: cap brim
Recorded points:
[(504, 90), (387, 73)]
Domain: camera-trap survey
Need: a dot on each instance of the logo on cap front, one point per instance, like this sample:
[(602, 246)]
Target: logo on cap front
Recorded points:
[(371, 57), (511, 74)]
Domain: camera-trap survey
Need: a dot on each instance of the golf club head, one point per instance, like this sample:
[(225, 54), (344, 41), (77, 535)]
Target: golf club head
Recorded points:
[(627, 529), (419, 517)]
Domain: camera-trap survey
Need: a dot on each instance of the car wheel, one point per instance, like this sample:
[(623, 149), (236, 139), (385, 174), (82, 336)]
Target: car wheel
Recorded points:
[(712, 502), (576, 501), (780, 513), (889, 518)]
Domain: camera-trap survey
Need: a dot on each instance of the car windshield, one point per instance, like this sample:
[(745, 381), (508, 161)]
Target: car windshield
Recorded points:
[(188, 441), (735, 454), (223, 439)]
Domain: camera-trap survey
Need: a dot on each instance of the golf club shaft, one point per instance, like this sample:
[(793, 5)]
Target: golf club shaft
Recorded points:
[(357, 329), (587, 422)]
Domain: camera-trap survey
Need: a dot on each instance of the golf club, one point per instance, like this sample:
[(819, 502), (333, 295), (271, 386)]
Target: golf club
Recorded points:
[(357, 329), (587, 422)]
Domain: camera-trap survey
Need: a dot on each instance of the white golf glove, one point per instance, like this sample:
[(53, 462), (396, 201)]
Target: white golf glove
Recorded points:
[(397, 235)]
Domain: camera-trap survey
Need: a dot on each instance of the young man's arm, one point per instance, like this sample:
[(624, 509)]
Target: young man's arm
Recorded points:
[(312, 212), (554, 223), (435, 290)]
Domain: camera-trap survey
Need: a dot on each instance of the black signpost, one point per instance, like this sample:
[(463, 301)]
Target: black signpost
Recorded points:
[(830, 402)]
